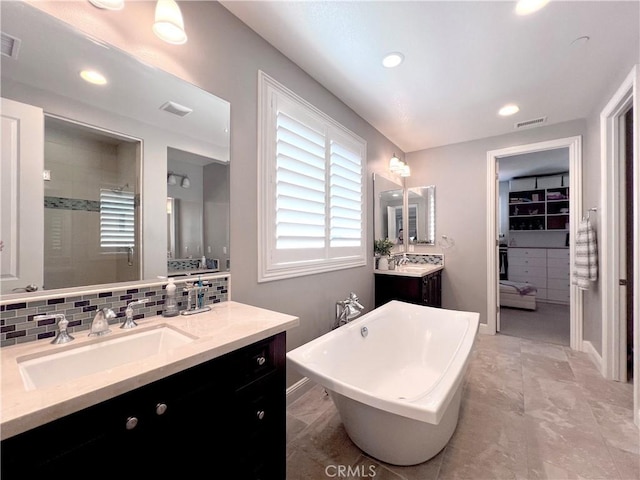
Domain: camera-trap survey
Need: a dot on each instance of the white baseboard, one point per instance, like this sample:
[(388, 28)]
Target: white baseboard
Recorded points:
[(484, 329), (298, 389), (594, 356)]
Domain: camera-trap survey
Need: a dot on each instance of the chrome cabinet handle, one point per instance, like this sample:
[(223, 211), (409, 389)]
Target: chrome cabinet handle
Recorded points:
[(132, 422), (261, 360), (161, 408), (260, 414)]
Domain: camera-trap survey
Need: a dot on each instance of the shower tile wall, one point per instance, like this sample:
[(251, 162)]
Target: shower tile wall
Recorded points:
[(80, 166)]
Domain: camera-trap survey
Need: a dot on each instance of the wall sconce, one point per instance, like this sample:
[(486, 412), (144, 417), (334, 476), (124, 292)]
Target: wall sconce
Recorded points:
[(172, 179), (169, 25), (398, 167)]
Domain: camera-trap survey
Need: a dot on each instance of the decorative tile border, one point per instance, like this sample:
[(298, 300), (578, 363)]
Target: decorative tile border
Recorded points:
[(62, 203), (18, 326), (424, 258), (183, 264)]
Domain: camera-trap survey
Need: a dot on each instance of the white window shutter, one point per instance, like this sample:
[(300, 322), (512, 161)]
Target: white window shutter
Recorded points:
[(311, 188), (117, 218)]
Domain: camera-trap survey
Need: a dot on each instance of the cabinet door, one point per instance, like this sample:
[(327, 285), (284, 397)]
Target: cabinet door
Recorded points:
[(395, 287), (432, 290)]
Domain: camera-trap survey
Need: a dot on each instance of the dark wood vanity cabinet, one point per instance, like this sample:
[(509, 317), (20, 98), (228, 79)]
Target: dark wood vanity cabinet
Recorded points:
[(426, 290), (222, 419)]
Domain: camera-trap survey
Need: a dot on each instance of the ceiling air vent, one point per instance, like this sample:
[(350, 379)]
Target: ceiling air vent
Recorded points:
[(176, 109), (530, 123), (10, 45)]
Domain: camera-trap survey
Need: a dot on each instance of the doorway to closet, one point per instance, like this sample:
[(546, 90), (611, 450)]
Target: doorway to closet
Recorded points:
[(558, 218), (534, 212)]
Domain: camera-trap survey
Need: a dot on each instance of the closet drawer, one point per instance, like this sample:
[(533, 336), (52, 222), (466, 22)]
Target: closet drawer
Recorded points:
[(538, 282), (558, 272), (558, 284), (527, 252), (528, 261), (558, 296), (558, 253), (527, 271)]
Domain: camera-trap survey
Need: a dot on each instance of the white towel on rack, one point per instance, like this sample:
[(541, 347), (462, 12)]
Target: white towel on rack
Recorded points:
[(586, 256)]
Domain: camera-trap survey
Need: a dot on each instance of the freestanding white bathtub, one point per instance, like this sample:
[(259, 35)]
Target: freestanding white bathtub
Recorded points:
[(395, 375)]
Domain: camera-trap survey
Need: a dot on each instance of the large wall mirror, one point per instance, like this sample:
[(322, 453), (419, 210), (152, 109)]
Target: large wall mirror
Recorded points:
[(421, 212), (93, 183), (387, 210), (406, 216)]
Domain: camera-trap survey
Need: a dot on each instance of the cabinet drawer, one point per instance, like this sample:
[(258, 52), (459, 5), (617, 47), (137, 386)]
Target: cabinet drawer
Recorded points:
[(558, 295), (558, 272), (558, 253), (528, 261), (527, 252), (558, 284), (541, 294), (254, 362), (526, 271), (538, 282)]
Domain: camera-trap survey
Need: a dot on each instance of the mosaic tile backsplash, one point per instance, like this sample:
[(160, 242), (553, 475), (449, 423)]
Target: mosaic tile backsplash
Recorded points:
[(17, 324), (423, 258)]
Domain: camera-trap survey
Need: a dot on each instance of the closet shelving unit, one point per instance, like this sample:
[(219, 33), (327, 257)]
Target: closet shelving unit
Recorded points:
[(541, 209)]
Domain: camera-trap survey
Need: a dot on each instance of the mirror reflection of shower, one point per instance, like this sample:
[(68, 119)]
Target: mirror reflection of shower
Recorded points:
[(92, 206)]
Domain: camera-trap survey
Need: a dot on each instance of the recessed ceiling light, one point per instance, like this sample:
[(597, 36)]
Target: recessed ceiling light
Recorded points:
[(525, 7), (393, 60), (94, 77), (508, 110)]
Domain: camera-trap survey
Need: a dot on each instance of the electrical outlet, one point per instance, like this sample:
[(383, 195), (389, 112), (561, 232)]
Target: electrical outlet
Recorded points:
[(46, 175)]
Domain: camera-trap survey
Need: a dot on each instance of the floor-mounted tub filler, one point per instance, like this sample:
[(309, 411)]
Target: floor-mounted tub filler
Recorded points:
[(396, 376)]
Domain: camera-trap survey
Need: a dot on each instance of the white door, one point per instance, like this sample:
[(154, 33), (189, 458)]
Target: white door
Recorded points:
[(21, 196)]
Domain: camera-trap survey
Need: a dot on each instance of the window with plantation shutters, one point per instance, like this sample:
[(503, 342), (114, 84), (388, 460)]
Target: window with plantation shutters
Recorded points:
[(117, 213), (311, 188)]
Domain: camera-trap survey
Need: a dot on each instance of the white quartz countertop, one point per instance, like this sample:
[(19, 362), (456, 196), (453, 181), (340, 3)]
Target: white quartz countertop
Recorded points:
[(410, 270), (228, 326)]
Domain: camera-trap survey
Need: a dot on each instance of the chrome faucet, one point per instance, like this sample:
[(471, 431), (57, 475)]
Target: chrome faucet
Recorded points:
[(404, 260), (100, 323), (62, 336), (347, 310), (129, 322), (195, 298)]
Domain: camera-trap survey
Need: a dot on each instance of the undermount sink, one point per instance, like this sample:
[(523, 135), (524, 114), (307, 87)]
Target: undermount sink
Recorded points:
[(56, 368), (415, 268)]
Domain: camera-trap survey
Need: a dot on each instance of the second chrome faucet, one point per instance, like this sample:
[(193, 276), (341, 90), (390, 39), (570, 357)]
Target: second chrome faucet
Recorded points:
[(100, 323)]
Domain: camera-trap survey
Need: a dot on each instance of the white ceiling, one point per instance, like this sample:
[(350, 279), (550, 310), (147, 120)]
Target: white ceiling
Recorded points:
[(463, 60)]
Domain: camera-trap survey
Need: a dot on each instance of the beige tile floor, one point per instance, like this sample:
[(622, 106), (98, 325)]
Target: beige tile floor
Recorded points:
[(530, 410)]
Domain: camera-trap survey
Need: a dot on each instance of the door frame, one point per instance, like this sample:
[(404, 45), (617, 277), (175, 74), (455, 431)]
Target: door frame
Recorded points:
[(612, 352), (574, 144)]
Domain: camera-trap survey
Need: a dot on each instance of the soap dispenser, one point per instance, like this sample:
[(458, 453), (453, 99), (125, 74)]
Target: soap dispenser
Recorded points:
[(170, 303)]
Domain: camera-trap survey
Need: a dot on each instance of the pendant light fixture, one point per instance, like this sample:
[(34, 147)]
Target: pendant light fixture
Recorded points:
[(169, 25), (398, 167)]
